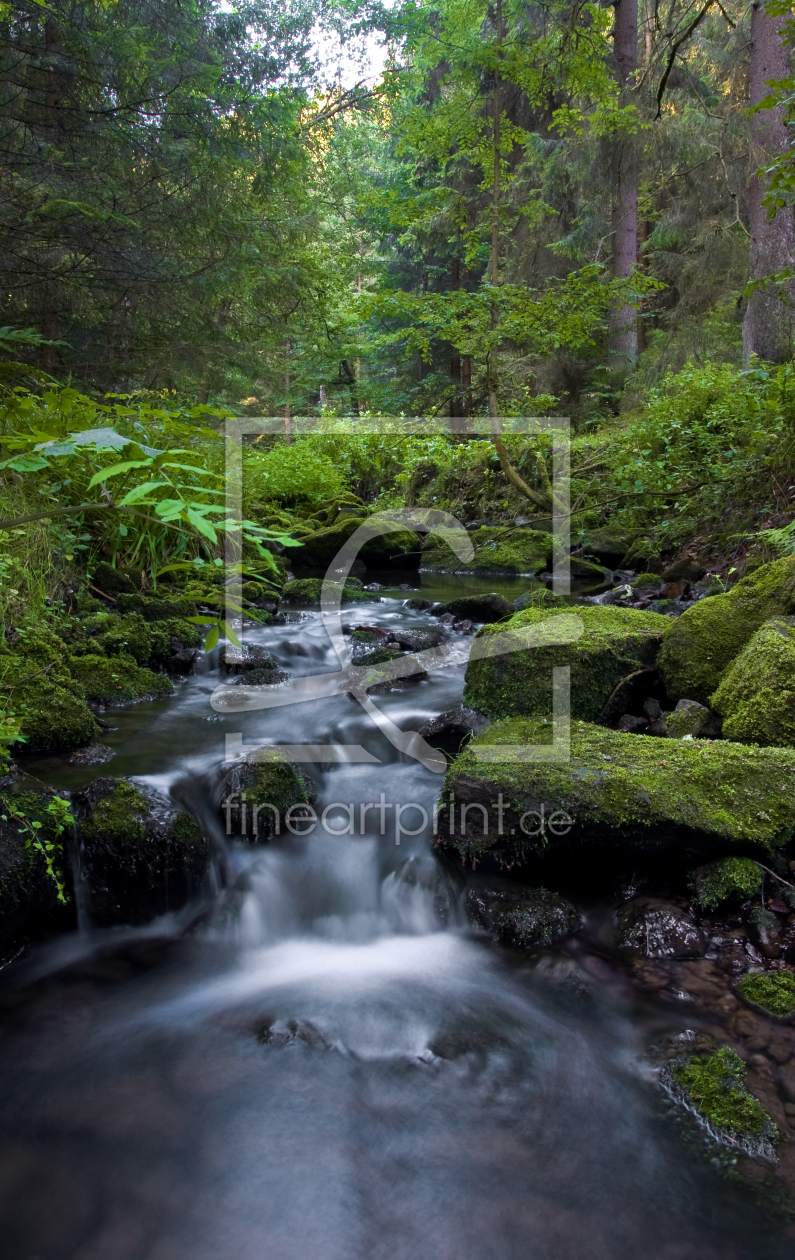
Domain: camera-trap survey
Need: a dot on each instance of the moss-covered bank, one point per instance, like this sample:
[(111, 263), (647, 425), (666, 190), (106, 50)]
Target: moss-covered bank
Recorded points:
[(497, 550)]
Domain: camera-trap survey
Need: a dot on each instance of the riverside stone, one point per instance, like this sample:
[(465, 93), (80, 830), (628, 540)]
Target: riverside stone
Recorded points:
[(525, 917)]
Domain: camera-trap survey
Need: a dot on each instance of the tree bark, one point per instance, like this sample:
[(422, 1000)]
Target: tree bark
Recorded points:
[(769, 320), (622, 342), (456, 401)]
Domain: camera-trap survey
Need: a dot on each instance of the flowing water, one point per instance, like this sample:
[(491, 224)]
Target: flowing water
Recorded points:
[(333, 1068)]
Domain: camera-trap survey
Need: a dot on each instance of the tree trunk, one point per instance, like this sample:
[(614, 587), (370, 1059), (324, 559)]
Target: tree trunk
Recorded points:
[(623, 334), (768, 322), (456, 402)]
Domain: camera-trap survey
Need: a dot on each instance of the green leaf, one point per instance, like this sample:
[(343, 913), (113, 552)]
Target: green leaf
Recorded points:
[(212, 639), (116, 470)]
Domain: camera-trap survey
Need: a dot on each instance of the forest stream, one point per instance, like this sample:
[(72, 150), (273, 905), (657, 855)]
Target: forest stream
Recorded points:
[(327, 1062)]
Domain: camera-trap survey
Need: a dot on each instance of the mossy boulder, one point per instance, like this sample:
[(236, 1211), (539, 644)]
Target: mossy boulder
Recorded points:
[(139, 856), (28, 893), (498, 549), (756, 694), (540, 597), (773, 991), (118, 679), (649, 580), (510, 669), (35, 678), (625, 796), (115, 581), (263, 794), (714, 1087), (583, 570), (308, 591), (130, 636), (703, 642), (173, 636), (318, 550)]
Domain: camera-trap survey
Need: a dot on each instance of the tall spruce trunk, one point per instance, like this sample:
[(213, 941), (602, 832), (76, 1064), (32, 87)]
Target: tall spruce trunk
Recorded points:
[(769, 320), (622, 341)]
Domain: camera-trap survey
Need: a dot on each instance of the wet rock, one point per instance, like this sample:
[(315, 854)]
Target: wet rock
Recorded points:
[(608, 549), (481, 608), (418, 640), (265, 677), (451, 730), (694, 719), (182, 660), (240, 660), (621, 596), (293, 648), (374, 586), (585, 570), (624, 796), (701, 643), (384, 675), (405, 586), (651, 928), (464, 627), (510, 668), (277, 797), (417, 604), (765, 930), (525, 917), (632, 725), (93, 755), (139, 856)]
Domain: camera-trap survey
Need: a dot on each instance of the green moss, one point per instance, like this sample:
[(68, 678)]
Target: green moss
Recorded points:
[(176, 628), (715, 1087), (129, 635), (115, 581), (583, 570), (119, 818), (39, 685), (703, 642), (160, 607), (647, 579), (756, 695), (118, 679), (319, 549), (497, 550), (307, 591), (26, 888), (615, 642), (733, 877), (623, 792), (774, 991)]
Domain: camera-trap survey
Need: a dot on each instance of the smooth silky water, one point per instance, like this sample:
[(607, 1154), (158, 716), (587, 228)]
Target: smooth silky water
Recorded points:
[(320, 1069)]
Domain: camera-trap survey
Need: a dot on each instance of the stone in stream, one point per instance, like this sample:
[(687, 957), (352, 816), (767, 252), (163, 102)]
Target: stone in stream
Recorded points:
[(756, 695), (622, 796), (649, 927), (703, 642), (418, 604), (318, 550), (308, 591), (418, 640), (451, 730), (264, 796), (602, 647), (540, 597), (481, 608), (515, 915), (139, 856)]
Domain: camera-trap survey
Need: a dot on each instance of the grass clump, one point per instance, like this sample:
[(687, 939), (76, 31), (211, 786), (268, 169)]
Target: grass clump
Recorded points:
[(774, 991)]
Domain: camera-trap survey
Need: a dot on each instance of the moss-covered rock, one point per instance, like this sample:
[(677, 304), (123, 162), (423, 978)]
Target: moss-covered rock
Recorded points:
[(583, 570), (35, 677), (498, 549), (172, 636), (732, 878), (258, 795), (115, 581), (652, 580), (714, 1086), (624, 795), (525, 917), (704, 641), (692, 720), (159, 607), (140, 857), (307, 591), (400, 547), (615, 642), (540, 597), (774, 991), (118, 679), (756, 694), (130, 636), (28, 893)]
